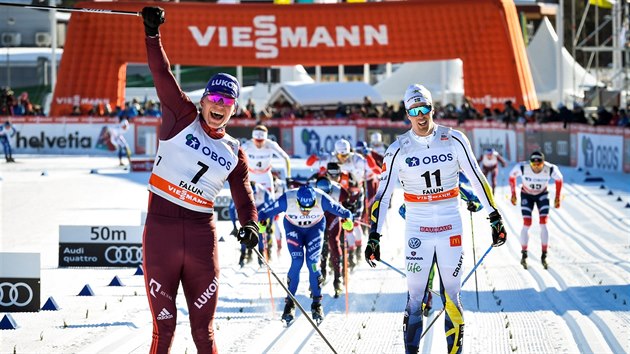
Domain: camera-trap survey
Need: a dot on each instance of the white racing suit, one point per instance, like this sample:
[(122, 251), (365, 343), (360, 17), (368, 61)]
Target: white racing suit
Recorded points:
[(259, 162), (428, 170)]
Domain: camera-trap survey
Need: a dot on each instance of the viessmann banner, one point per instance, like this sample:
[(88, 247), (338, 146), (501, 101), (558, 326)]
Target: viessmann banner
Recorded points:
[(264, 35)]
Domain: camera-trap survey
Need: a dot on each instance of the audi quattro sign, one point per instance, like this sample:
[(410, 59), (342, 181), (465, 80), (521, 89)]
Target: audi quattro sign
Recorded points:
[(100, 246), (19, 282)]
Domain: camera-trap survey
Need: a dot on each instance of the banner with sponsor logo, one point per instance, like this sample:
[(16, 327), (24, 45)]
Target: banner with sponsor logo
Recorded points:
[(501, 140), (308, 140), (100, 246), (600, 151), (19, 282), (553, 143), (265, 35), (67, 139)]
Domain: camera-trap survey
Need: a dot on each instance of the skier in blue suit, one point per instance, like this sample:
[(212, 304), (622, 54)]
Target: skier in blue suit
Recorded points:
[(304, 225)]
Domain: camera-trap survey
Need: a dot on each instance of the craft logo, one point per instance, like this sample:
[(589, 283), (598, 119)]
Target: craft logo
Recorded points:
[(267, 37)]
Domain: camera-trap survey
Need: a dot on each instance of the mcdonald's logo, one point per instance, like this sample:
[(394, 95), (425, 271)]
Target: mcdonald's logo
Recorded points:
[(456, 240)]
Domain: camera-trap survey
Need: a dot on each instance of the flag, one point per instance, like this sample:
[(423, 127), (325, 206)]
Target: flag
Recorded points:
[(605, 4)]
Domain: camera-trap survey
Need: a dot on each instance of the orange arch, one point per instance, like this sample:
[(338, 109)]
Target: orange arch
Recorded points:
[(485, 34)]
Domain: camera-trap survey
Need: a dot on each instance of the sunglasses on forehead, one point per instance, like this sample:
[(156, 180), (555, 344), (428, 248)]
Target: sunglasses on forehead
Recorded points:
[(217, 98), (414, 112)]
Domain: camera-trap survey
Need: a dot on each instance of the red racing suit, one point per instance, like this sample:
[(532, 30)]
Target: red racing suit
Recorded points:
[(179, 241)]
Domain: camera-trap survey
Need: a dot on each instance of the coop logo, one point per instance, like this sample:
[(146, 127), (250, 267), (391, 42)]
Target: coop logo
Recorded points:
[(192, 141), (412, 161), (267, 37), (316, 144), (605, 157)]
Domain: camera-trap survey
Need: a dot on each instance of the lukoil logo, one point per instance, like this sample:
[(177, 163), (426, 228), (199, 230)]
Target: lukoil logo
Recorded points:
[(267, 37)]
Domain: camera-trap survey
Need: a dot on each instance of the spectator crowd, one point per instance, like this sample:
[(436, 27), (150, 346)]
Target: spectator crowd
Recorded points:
[(10, 105)]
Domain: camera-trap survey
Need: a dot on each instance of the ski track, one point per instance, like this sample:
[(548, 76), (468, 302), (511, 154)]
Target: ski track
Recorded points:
[(579, 305)]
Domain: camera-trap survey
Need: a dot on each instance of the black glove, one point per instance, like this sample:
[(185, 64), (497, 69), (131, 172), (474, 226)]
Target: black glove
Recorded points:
[(473, 206), (248, 234), (499, 235), (373, 249), (152, 17)]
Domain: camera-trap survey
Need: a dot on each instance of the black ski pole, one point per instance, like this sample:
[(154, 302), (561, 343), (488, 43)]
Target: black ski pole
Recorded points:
[(72, 9), (405, 275), (294, 300), (472, 231)]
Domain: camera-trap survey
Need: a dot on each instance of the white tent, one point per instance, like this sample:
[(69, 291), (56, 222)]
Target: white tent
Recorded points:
[(542, 54), (444, 78), (325, 93)]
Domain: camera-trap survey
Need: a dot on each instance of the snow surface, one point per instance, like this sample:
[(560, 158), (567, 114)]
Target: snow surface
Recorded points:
[(579, 305)]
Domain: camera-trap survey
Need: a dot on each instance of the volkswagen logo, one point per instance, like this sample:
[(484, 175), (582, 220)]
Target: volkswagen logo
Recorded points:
[(123, 254), (15, 294), (414, 242)]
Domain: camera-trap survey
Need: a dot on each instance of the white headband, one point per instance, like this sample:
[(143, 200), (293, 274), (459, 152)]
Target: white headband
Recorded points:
[(259, 134)]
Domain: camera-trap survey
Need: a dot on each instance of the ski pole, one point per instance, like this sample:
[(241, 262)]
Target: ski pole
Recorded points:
[(345, 271), (294, 300), (405, 275), (73, 9), (464, 282), (266, 250), (472, 231)]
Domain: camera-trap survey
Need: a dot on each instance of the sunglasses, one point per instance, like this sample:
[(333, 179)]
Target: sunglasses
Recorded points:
[(217, 98), (414, 112), (306, 209), (536, 163)]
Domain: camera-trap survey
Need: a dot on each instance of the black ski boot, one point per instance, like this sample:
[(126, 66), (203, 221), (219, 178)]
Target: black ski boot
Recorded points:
[(358, 253), (241, 259), (428, 305), (289, 312), (317, 312), (351, 262), (543, 259), (249, 255), (524, 259), (337, 285)]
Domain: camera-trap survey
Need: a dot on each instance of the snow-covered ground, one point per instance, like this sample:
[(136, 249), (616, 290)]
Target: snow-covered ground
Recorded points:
[(580, 305)]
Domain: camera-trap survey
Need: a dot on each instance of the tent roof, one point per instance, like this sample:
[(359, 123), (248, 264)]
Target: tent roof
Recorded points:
[(325, 94), (427, 73), (542, 53)]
